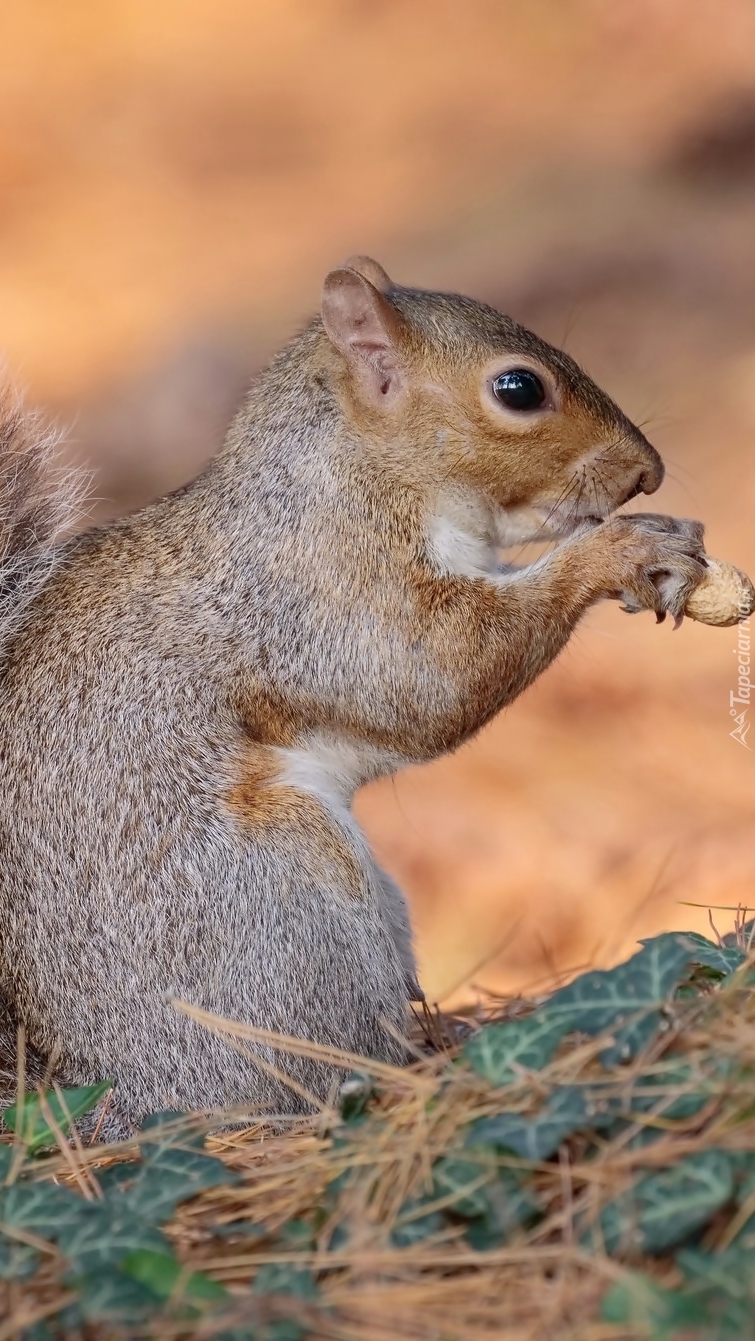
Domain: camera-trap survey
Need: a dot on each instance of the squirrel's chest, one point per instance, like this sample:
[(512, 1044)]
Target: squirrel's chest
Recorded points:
[(300, 797)]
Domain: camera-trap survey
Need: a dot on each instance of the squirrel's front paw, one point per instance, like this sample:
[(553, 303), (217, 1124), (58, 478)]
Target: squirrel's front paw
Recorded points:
[(655, 562)]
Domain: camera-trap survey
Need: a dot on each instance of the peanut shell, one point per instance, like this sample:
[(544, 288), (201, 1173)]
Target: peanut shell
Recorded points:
[(725, 596)]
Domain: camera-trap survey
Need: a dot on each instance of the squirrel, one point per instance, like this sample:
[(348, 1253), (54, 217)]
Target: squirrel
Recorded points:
[(191, 695)]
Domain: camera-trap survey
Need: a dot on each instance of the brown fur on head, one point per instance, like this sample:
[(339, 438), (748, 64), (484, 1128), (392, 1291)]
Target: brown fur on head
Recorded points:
[(415, 374)]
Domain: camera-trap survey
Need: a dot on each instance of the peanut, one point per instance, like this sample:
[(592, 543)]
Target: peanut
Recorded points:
[(725, 596)]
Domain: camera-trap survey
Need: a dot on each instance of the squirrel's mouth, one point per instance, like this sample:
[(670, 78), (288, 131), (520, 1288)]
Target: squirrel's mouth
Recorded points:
[(590, 496), (559, 523), (549, 521), (570, 514)]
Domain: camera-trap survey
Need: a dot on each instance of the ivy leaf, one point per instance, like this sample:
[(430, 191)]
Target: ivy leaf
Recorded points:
[(244, 1229), (17, 1260), (746, 934), (35, 1133), (725, 1281), (413, 1226), (285, 1278), (664, 1209), (537, 1136), (117, 1178), (39, 1331), (640, 1302), (297, 1236), (509, 1206), (500, 1052), (170, 1128), (732, 1272), (464, 1181), (626, 999), (166, 1278), (169, 1176), (105, 1233), (496, 1201), (6, 1159), (108, 1295), (673, 1094), (45, 1209), (290, 1282), (723, 959), (744, 1194), (675, 1082)]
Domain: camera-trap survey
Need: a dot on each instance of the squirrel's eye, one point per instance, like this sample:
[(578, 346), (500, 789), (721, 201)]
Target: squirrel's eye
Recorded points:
[(519, 389)]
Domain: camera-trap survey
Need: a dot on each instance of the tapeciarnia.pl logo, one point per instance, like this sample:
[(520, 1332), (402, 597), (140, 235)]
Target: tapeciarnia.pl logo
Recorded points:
[(739, 698)]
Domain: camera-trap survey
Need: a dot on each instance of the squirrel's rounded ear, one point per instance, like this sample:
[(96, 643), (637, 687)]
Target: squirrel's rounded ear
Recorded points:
[(371, 270), (367, 329)]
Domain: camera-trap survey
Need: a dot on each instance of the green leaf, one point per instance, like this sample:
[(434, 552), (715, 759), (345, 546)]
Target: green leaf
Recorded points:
[(673, 1094), (35, 1133), (106, 1233), (537, 1136), (496, 1201), (172, 1127), (287, 1279), (45, 1209), (725, 1284), (289, 1282), (500, 1052), (17, 1260), (108, 1295), (640, 1302), (119, 1177), (723, 959), (168, 1279), (413, 1226), (509, 1206), (169, 1176), (297, 1236), (664, 1209), (669, 1093), (244, 1229), (626, 999), (731, 1272), (6, 1159), (464, 1181), (39, 1331), (744, 1193)]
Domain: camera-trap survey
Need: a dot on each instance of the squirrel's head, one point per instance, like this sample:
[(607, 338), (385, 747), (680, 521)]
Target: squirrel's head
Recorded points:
[(459, 396)]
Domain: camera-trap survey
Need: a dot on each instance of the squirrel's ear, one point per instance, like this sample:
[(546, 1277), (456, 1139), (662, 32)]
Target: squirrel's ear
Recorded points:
[(371, 270), (364, 325)]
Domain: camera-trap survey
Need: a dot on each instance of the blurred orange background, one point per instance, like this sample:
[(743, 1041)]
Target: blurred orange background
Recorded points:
[(175, 178)]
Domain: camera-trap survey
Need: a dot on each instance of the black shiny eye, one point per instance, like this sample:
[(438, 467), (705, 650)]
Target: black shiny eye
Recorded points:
[(519, 389)]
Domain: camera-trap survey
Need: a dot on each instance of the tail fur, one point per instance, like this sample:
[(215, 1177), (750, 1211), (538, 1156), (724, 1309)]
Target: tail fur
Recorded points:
[(39, 498)]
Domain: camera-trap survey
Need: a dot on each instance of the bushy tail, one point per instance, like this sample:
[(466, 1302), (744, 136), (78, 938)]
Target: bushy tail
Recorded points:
[(39, 498)]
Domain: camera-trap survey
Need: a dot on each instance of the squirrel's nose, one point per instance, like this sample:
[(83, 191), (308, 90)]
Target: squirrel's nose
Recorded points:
[(651, 474)]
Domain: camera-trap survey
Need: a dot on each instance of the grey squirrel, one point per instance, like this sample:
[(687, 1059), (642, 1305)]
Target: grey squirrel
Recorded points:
[(191, 695)]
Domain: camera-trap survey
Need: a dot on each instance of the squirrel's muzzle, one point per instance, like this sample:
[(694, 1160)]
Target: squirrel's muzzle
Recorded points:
[(652, 471)]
